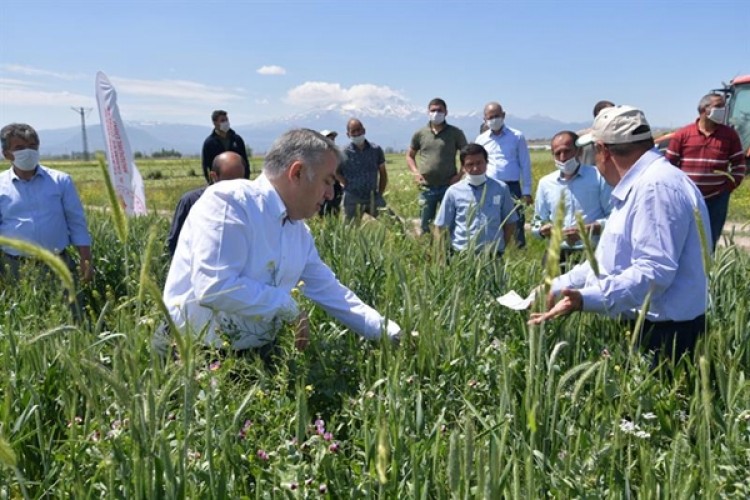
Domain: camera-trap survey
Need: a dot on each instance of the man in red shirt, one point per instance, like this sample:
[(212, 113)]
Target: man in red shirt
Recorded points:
[(711, 154)]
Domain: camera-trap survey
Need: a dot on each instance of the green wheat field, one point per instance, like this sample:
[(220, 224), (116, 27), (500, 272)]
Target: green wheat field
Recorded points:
[(472, 404)]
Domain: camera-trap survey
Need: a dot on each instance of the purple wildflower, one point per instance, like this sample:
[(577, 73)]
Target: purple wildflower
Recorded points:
[(245, 427)]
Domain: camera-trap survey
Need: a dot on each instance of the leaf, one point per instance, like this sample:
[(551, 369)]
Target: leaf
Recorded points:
[(7, 455)]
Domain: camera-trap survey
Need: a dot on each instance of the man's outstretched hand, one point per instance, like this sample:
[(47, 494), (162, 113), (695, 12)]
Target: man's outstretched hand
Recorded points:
[(570, 300)]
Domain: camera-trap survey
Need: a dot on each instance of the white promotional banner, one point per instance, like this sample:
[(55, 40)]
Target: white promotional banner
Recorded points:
[(126, 179)]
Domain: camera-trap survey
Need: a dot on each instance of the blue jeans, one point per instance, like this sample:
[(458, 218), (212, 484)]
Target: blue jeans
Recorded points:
[(515, 192), (429, 199), (717, 215)]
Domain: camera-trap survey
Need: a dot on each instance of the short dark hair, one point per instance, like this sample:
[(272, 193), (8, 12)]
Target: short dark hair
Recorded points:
[(601, 105), (569, 133), (218, 114), (439, 102), (22, 130), (472, 149)]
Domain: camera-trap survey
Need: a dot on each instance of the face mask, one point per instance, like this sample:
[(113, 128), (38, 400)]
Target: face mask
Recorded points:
[(495, 124), (437, 117), (26, 159), (358, 140), (567, 167), (717, 115), (476, 180), (224, 126)]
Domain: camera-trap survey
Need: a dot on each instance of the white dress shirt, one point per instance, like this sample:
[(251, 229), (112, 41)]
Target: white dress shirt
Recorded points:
[(651, 243), (237, 260)]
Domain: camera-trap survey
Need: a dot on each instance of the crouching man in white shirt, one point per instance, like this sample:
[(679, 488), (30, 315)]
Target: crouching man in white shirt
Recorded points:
[(244, 247)]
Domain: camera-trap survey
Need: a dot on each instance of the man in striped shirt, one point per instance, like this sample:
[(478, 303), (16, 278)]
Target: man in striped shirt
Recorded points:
[(711, 154)]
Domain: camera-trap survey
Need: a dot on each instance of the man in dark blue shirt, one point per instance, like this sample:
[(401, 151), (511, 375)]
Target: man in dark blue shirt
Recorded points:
[(226, 166), (222, 139), (363, 174)]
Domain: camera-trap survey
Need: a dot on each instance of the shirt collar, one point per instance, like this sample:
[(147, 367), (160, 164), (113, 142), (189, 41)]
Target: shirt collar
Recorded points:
[(623, 188), (275, 203), (39, 172), (432, 129), (578, 173)]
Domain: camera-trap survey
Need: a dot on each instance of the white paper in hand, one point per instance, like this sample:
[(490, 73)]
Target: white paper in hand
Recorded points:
[(514, 301)]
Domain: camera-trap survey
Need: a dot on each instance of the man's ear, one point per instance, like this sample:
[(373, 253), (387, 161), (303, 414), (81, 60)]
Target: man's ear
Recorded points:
[(214, 178), (295, 171)]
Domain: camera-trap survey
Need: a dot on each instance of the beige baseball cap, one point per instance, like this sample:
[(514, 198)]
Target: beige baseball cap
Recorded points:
[(617, 125)]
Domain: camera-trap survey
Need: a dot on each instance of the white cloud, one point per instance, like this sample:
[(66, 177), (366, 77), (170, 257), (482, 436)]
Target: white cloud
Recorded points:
[(20, 93), (174, 89), (271, 70), (29, 71), (261, 101), (321, 94)]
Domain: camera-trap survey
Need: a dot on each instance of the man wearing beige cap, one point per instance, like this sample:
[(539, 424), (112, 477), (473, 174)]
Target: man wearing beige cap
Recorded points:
[(649, 254)]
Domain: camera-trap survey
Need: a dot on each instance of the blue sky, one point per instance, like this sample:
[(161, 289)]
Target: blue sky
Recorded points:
[(177, 61)]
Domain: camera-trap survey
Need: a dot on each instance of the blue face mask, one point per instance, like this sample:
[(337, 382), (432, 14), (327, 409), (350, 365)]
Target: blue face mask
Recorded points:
[(26, 159)]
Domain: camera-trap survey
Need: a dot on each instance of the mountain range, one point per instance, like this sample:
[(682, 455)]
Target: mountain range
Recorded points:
[(390, 126)]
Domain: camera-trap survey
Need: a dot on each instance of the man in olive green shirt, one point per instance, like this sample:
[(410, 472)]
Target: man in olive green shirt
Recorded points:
[(437, 145)]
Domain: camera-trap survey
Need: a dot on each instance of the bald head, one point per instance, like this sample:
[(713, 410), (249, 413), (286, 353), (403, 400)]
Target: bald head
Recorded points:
[(353, 124), (227, 166), (493, 110)]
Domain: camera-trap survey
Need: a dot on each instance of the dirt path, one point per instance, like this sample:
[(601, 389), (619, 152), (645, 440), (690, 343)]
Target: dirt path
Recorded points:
[(741, 233)]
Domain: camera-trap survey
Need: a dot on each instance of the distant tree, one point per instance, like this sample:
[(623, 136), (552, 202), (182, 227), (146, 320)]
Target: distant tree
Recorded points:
[(137, 155), (249, 151), (166, 153)]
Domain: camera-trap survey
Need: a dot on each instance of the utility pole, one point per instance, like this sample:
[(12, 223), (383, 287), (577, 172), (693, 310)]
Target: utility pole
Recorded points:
[(83, 112)]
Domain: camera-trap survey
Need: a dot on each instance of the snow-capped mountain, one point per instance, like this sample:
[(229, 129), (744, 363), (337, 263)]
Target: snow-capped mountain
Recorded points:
[(389, 124)]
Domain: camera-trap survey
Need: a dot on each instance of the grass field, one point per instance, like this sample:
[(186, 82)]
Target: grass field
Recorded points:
[(473, 403)]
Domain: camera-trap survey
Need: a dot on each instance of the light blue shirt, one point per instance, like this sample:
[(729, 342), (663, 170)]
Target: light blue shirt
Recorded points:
[(651, 243), (586, 192), (45, 210), (477, 212), (508, 157)]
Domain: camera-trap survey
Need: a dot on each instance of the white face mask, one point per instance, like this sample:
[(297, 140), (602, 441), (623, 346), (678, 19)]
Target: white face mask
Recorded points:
[(567, 167), (224, 126), (495, 124), (717, 115), (476, 180), (358, 140), (437, 117), (26, 159)]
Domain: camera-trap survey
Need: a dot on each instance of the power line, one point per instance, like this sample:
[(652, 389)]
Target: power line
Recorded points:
[(83, 112)]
